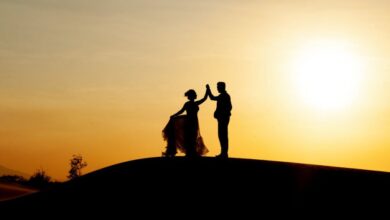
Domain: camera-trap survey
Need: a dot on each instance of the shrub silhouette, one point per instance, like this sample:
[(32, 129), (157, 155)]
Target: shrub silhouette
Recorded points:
[(76, 164), (13, 179), (39, 179)]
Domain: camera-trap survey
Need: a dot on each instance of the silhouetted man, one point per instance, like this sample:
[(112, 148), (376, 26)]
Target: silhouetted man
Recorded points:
[(222, 114)]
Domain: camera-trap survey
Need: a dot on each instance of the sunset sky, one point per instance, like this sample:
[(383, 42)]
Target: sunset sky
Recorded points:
[(309, 80)]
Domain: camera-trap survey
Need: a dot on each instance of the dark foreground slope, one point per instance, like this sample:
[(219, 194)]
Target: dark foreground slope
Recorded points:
[(193, 186), (10, 191)]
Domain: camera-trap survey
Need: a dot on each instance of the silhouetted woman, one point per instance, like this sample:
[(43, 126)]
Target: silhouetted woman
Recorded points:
[(182, 131)]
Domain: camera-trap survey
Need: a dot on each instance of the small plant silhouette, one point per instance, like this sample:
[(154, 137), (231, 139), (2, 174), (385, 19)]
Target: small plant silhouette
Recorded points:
[(76, 164), (39, 179)]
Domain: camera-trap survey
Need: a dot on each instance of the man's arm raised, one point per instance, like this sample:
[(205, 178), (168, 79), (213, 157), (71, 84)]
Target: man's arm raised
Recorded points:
[(212, 97)]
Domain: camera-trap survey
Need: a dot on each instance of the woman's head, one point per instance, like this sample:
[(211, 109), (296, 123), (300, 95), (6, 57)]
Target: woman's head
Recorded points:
[(191, 94)]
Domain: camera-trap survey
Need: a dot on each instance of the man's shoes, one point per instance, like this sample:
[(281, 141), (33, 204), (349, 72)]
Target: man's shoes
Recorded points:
[(222, 156)]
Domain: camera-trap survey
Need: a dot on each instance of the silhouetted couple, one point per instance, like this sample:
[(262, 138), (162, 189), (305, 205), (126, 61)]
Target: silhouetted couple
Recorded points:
[(182, 131)]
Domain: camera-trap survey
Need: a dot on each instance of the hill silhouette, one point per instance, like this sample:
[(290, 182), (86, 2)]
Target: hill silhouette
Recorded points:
[(224, 187), (7, 171)]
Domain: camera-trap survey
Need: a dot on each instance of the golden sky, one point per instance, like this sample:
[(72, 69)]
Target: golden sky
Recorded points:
[(101, 78)]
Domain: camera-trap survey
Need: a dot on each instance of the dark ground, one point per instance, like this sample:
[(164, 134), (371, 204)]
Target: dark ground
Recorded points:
[(13, 190), (185, 187)]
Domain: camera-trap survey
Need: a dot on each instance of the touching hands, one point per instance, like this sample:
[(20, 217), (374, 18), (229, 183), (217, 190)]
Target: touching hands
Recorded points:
[(208, 90)]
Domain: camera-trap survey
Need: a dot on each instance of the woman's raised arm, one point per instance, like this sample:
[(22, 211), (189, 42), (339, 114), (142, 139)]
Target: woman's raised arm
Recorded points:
[(203, 99)]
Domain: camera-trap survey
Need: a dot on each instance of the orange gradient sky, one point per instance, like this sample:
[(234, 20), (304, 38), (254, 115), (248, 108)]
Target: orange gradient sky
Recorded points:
[(101, 78)]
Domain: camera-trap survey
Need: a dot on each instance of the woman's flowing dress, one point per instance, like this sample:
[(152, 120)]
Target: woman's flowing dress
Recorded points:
[(181, 134)]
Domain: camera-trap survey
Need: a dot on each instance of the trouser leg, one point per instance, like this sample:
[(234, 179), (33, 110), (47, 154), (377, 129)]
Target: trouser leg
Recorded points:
[(223, 135)]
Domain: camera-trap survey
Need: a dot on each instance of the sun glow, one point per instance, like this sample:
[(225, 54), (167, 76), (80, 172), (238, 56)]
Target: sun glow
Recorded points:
[(328, 75)]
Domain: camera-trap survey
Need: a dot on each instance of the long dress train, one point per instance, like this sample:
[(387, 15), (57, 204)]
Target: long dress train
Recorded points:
[(177, 133)]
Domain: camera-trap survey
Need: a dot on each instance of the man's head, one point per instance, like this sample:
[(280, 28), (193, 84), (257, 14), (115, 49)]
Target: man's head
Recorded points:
[(221, 86)]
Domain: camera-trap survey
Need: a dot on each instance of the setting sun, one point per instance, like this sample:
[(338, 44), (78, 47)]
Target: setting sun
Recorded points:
[(328, 75)]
